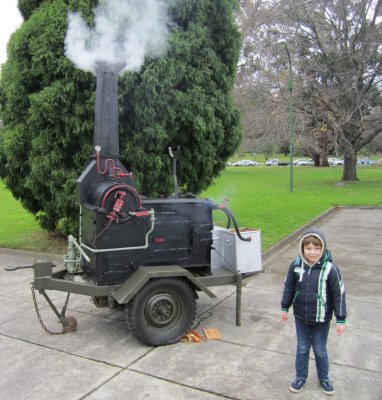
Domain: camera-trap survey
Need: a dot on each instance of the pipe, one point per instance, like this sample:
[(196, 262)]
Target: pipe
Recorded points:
[(145, 246), (230, 216)]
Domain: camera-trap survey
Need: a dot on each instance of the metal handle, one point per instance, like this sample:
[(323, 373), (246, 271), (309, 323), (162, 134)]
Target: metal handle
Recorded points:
[(16, 267), (73, 241)]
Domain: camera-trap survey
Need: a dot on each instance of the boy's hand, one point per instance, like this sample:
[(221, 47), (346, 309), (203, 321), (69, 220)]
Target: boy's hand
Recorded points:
[(284, 316), (340, 329)]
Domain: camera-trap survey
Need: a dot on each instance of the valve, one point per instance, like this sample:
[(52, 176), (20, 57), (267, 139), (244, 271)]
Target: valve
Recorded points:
[(113, 215)]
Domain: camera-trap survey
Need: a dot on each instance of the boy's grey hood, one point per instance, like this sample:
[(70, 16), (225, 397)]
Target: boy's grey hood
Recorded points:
[(320, 235)]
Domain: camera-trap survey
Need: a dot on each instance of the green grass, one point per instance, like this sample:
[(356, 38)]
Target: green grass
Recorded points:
[(20, 230), (259, 197)]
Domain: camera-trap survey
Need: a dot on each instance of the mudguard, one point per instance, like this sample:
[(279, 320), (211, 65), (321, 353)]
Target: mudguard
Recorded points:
[(143, 274)]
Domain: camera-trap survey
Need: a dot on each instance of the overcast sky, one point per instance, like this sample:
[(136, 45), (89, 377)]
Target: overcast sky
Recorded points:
[(10, 20)]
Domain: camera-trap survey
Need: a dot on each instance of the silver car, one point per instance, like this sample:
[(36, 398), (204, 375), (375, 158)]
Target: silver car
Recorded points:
[(245, 163)]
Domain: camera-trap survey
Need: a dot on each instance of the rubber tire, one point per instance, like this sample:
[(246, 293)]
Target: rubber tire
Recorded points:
[(162, 311)]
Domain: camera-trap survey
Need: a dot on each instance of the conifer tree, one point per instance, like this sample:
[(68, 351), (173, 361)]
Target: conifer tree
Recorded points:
[(182, 98)]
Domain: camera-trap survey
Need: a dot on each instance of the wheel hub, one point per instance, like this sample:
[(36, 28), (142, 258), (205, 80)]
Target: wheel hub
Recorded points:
[(161, 309)]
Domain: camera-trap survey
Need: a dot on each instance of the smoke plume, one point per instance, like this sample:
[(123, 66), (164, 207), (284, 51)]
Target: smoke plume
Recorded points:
[(124, 31)]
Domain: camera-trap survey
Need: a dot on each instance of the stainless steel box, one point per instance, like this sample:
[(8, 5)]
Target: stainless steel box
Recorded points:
[(235, 254)]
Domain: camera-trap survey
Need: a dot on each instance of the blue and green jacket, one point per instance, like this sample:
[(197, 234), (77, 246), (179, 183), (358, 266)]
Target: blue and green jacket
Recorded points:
[(315, 291)]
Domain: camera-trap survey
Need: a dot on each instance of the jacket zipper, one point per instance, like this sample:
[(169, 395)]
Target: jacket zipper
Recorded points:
[(306, 295)]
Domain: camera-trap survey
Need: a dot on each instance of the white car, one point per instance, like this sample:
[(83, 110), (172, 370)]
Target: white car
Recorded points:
[(337, 163), (245, 163), (306, 162), (331, 160), (295, 162), (275, 161)]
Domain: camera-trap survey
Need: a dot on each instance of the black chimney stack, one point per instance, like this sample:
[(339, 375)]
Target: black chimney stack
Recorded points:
[(105, 164), (106, 109)]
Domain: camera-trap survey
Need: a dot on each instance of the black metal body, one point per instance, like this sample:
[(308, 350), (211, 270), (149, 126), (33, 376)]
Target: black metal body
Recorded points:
[(181, 236), (116, 232)]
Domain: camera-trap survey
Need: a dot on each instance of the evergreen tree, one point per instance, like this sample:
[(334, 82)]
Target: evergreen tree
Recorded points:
[(182, 98)]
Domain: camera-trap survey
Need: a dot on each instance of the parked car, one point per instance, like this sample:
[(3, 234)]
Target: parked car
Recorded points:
[(306, 162), (360, 161), (295, 162), (245, 163), (364, 161), (336, 163), (331, 160), (275, 161)]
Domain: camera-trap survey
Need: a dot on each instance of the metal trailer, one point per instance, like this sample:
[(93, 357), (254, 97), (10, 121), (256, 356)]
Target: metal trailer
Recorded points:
[(159, 301), (150, 255)]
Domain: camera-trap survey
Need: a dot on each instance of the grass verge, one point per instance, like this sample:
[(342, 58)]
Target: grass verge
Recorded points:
[(20, 230), (258, 196)]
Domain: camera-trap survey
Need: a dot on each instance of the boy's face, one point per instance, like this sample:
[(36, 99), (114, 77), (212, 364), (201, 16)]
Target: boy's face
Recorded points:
[(312, 252)]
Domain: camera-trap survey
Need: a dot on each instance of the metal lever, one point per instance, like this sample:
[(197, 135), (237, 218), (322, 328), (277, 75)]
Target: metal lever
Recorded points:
[(174, 155), (16, 267)]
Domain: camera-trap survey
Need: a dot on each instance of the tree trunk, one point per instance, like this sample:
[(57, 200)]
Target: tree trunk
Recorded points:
[(324, 161), (316, 159), (350, 167)]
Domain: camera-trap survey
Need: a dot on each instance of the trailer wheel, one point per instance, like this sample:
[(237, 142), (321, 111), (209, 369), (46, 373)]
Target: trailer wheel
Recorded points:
[(161, 312)]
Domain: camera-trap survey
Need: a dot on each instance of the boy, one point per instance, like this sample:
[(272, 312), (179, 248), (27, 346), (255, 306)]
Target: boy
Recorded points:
[(314, 286)]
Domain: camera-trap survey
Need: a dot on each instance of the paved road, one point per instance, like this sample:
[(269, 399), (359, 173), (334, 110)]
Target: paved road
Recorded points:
[(101, 360)]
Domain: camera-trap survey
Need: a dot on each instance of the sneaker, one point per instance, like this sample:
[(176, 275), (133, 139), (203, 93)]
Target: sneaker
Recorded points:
[(297, 385), (327, 387)]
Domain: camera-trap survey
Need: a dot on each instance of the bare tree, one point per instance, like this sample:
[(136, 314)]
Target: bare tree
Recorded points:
[(335, 47), (257, 90), (338, 46)]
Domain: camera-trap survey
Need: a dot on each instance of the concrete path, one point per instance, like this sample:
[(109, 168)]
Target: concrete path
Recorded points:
[(101, 360)]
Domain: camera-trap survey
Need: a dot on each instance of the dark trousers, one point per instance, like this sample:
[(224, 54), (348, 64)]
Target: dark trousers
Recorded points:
[(316, 336)]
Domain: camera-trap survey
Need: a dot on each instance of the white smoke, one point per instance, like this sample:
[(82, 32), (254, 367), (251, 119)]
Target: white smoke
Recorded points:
[(124, 31)]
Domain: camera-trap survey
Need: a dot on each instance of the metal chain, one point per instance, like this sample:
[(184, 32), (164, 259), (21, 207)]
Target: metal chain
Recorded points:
[(39, 316)]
